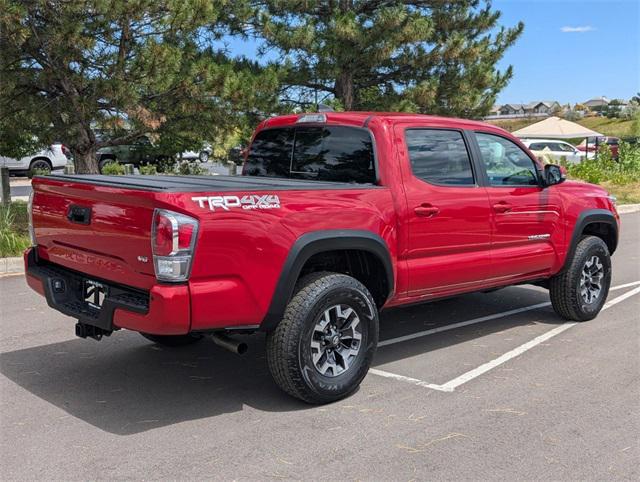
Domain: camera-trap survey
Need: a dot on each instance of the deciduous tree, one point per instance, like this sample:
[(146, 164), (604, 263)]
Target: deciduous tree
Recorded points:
[(93, 73)]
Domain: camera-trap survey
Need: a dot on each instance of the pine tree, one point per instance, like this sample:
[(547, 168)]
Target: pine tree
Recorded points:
[(94, 73), (428, 56)]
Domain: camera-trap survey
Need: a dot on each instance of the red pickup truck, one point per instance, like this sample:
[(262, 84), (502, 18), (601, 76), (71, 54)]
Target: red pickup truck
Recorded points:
[(336, 217)]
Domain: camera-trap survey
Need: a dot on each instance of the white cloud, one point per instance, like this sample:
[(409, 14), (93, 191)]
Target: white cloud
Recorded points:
[(581, 29)]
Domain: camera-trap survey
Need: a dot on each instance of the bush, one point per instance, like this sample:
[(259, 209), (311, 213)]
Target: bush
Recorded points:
[(38, 172), (113, 169), (148, 170), (186, 168), (603, 168), (13, 230)]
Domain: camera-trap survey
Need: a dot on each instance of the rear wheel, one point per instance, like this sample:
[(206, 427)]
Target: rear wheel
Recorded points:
[(39, 166), (103, 162), (323, 347), (173, 340), (204, 156), (579, 292)]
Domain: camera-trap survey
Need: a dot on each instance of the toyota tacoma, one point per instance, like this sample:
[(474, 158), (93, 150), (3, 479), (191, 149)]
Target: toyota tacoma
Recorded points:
[(336, 217)]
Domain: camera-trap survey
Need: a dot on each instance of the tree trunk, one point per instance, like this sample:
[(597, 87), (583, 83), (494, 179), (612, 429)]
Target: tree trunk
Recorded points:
[(344, 90), (85, 160)]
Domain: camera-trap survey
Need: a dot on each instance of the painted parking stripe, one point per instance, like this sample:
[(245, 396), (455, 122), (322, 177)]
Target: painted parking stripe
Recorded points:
[(451, 385), (453, 326), (482, 319)]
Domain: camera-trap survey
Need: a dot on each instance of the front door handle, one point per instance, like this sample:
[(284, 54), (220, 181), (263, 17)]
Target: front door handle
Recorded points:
[(426, 210), (502, 207)]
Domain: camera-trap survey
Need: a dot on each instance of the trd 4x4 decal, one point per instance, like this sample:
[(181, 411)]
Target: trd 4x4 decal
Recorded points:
[(255, 201)]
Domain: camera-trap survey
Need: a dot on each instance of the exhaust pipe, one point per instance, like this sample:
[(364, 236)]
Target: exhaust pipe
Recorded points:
[(235, 346)]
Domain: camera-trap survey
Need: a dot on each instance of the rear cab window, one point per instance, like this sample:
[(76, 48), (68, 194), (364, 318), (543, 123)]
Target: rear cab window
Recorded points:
[(320, 153)]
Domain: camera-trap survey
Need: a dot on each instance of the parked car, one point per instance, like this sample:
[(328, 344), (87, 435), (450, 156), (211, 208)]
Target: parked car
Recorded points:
[(51, 159), (336, 217), (554, 149), (201, 155), (142, 151), (612, 142)]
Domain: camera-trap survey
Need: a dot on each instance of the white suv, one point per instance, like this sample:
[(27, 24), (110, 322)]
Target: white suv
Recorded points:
[(554, 149), (49, 159)]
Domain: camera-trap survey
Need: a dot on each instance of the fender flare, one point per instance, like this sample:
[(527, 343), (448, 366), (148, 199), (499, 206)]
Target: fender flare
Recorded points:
[(586, 218), (316, 242)]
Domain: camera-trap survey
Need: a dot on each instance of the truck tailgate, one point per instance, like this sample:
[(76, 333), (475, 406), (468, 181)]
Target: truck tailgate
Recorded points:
[(98, 230)]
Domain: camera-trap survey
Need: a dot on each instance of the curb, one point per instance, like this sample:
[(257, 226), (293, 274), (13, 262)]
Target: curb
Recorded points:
[(11, 265), (628, 208)]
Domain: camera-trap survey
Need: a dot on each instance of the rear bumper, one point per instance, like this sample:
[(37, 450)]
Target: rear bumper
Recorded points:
[(164, 310)]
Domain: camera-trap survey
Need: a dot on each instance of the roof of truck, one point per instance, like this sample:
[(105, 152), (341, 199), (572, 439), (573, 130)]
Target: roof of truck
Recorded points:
[(364, 118)]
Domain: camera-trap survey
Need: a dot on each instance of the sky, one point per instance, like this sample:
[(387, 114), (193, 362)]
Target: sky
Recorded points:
[(570, 50)]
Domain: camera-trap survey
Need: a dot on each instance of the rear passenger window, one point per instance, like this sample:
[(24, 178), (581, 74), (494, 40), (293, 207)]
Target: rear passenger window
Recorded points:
[(439, 157), (329, 153)]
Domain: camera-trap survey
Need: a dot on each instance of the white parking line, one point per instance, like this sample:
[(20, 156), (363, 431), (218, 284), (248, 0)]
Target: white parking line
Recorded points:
[(451, 385), (453, 326), (626, 285)]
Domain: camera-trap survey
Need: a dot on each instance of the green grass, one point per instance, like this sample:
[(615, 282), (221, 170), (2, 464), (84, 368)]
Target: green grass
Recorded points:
[(609, 127), (14, 229), (626, 194)]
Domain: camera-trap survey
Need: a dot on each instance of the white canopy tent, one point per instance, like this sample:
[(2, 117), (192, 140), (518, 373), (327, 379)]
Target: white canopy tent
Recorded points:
[(555, 128)]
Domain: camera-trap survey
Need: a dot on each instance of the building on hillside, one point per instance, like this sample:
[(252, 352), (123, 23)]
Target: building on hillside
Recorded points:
[(540, 108), (597, 103)]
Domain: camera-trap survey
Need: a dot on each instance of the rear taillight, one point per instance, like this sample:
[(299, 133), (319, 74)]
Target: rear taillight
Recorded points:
[(32, 232), (173, 241)]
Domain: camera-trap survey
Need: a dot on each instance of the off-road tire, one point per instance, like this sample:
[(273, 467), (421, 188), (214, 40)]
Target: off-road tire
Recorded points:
[(564, 288), (173, 340), (288, 346)]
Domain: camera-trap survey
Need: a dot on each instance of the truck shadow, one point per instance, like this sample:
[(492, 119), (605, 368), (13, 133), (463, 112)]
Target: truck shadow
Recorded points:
[(126, 385)]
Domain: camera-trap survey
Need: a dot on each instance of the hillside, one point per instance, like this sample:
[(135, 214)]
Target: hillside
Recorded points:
[(608, 127)]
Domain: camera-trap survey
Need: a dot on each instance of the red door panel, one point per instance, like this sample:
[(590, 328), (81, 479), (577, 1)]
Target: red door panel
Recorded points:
[(449, 228), (525, 216)]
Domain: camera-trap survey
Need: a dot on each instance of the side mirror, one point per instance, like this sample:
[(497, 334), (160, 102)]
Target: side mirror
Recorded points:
[(553, 174)]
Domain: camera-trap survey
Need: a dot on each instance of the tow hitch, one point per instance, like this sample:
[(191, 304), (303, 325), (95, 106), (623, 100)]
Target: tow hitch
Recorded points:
[(89, 331)]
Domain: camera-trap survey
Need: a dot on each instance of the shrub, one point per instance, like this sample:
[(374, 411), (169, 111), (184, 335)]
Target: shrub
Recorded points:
[(113, 169), (186, 168), (13, 241), (603, 168), (38, 172), (148, 169)]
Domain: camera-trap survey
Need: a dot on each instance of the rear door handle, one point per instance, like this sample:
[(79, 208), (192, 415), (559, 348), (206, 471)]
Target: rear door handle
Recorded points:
[(426, 210), (502, 207)]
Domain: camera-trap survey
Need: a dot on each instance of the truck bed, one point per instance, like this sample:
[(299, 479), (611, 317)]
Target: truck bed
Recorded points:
[(205, 183)]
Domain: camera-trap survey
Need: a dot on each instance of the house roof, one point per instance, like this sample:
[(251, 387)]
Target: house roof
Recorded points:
[(597, 99)]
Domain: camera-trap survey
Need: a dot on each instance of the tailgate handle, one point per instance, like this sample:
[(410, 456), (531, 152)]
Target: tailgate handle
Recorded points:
[(79, 214)]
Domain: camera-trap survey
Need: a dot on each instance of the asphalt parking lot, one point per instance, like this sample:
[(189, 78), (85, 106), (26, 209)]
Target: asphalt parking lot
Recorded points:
[(483, 386)]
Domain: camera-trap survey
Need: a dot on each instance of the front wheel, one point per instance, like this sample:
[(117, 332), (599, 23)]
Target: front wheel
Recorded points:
[(324, 345), (580, 291)]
